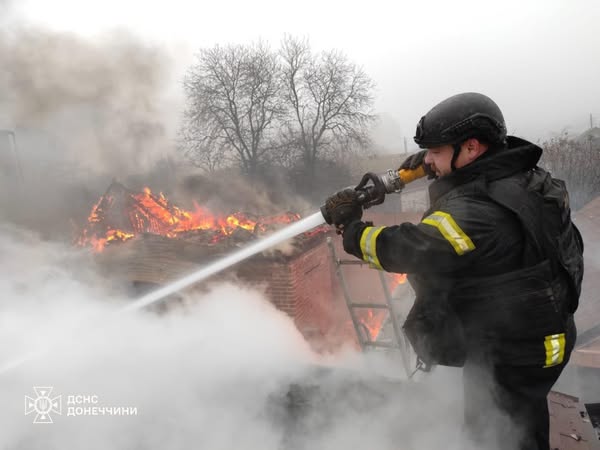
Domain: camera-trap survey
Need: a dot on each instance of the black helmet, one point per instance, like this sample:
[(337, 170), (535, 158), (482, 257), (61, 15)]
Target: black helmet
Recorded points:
[(459, 118)]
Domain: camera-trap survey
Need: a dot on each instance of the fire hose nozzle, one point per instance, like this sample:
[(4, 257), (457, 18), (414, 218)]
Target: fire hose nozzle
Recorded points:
[(386, 183), (390, 182), (325, 214)]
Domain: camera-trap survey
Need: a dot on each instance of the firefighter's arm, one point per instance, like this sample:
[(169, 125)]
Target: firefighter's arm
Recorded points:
[(442, 242)]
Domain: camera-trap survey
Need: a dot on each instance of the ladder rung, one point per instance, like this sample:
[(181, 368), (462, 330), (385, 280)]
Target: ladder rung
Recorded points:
[(361, 334), (369, 305), (351, 262)]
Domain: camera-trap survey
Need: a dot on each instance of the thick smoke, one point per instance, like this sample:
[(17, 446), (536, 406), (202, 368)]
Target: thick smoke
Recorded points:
[(226, 370), (77, 113), (74, 114), (96, 105)]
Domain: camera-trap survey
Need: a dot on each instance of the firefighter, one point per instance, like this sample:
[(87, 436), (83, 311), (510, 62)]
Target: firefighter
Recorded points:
[(496, 265)]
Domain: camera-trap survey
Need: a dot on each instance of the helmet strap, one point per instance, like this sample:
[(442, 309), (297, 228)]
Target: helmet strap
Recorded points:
[(454, 156)]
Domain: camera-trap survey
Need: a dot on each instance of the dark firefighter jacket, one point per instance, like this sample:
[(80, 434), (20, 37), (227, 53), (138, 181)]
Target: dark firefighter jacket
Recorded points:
[(496, 263)]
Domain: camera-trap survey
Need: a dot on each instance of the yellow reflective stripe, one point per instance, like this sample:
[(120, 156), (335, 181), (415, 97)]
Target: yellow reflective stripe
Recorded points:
[(368, 245), (451, 231), (555, 349)]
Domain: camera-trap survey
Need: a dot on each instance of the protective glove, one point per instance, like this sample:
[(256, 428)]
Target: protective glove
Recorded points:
[(416, 160), (343, 207)]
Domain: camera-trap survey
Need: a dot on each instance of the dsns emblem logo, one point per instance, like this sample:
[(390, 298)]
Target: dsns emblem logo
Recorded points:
[(43, 405)]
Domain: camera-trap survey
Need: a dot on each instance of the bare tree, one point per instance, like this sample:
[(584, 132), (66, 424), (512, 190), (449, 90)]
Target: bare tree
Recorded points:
[(234, 99), (202, 150), (250, 106), (330, 100)]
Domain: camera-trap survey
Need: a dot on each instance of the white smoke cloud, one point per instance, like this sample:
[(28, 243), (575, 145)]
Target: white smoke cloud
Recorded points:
[(225, 371), (76, 112), (97, 105)]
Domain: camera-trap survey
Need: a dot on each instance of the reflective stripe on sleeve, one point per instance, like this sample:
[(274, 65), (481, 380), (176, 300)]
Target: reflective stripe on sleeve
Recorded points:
[(451, 231), (368, 245), (555, 349)]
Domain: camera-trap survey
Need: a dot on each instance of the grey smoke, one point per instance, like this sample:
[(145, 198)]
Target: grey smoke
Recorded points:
[(96, 105), (83, 111), (86, 111), (226, 371)]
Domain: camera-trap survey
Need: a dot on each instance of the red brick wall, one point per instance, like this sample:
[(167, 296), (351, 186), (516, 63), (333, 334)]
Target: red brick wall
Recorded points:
[(301, 286), (305, 286), (313, 289)]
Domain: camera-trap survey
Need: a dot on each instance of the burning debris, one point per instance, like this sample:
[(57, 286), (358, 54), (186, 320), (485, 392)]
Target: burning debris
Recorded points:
[(165, 241), (122, 214), (372, 321)]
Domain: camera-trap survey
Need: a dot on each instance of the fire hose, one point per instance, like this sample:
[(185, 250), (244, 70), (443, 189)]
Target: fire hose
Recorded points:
[(392, 181)]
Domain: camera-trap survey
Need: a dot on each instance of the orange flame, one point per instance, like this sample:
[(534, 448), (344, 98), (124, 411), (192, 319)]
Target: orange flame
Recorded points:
[(146, 212), (373, 320), (397, 279)]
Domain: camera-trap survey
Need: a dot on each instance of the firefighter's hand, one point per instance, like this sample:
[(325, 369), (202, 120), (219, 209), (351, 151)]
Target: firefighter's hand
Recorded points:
[(414, 161), (343, 207)]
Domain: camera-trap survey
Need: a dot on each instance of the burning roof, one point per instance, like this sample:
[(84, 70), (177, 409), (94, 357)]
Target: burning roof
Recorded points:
[(122, 214)]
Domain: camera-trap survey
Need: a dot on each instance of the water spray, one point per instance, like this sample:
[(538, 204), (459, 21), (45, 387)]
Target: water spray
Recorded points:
[(372, 190), (370, 194), (261, 245)]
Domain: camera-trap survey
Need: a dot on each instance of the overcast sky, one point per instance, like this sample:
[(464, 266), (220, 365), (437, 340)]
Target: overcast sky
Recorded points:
[(538, 59)]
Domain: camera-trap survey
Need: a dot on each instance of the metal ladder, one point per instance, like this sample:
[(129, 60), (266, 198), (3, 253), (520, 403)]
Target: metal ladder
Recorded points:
[(400, 342)]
